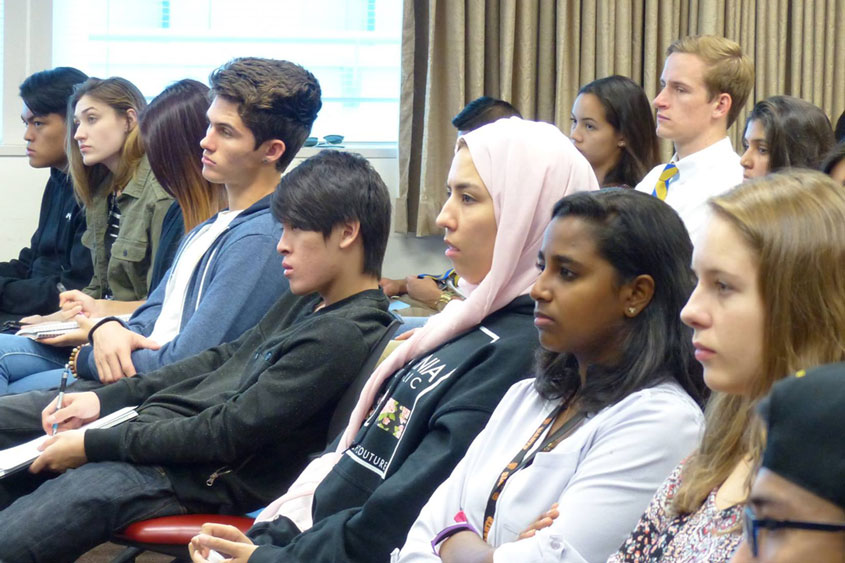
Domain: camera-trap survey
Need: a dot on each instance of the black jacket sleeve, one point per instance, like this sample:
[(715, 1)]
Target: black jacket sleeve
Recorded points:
[(28, 284), (17, 268), (135, 390), (301, 380)]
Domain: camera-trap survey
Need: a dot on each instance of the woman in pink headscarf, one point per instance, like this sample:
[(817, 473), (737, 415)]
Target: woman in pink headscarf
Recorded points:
[(428, 400)]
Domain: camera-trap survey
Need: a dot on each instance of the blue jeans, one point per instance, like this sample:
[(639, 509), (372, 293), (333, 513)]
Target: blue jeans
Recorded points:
[(26, 364), (409, 323), (80, 509)]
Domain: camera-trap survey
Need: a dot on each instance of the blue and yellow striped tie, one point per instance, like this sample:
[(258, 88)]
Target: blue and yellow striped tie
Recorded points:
[(669, 175)]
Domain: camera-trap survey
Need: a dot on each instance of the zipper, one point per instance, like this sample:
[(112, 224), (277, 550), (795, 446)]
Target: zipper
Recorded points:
[(218, 473), (225, 470)]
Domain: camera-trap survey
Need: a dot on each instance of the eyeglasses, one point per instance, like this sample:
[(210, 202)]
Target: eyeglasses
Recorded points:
[(327, 140), (751, 526)]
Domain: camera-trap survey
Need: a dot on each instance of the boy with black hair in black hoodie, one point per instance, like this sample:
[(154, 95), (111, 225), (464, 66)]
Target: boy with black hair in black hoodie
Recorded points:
[(228, 429), (29, 285)]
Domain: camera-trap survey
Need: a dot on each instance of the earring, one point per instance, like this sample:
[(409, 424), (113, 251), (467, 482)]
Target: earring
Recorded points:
[(265, 160), (632, 311)]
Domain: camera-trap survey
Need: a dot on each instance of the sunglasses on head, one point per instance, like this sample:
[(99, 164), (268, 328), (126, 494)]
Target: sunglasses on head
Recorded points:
[(751, 526), (327, 140)]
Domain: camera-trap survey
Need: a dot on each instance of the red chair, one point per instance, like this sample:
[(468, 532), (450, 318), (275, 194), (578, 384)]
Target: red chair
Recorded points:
[(170, 535)]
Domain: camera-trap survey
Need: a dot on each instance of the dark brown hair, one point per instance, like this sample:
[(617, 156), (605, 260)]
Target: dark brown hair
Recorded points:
[(798, 134), (627, 109), (654, 346), (172, 127), (482, 111), (276, 100)]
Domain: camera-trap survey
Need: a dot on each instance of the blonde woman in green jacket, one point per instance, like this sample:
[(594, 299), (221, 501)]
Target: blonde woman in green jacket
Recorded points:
[(125, 205)]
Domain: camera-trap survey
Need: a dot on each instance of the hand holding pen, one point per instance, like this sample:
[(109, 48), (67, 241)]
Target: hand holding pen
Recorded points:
[(76, 410), (62, 389)]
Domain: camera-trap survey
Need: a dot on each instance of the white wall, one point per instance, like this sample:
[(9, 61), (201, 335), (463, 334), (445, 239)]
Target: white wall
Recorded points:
[(21, 187), (20, 197)]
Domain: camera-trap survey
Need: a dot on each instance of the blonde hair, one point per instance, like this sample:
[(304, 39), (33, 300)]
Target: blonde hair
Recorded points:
[(121, 95), (728, 70), (794, 222)]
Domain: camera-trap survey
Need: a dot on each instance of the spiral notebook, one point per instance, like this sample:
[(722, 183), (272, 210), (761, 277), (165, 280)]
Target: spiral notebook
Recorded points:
[(52, 329)]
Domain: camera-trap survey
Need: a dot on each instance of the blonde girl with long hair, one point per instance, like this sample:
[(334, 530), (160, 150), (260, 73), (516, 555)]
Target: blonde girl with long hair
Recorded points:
[(770, 300), (125, 205)]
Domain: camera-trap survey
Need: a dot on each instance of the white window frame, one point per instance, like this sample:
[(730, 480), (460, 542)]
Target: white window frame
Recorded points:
[(27, 48)]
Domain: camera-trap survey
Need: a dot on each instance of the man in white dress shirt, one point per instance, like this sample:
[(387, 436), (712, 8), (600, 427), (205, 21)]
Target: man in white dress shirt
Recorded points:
[(705, 82)]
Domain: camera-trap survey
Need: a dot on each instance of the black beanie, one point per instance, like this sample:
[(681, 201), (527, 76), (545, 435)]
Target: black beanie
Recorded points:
[(805, 418)]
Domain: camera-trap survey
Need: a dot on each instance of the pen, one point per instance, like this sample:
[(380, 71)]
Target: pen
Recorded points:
[(62, 388), (61, 287)]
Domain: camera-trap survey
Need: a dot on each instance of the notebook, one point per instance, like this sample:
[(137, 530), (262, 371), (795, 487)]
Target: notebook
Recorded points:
[(19, 457), (52, 329)]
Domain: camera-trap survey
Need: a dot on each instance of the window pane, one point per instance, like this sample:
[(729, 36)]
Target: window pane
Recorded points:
[(2, 69), (352, 46)]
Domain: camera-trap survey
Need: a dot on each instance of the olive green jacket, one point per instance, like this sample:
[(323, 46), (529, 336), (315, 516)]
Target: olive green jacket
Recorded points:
[(143, 205)]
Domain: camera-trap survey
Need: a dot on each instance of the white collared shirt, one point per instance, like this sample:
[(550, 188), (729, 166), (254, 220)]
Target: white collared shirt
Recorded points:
[(709, 172)]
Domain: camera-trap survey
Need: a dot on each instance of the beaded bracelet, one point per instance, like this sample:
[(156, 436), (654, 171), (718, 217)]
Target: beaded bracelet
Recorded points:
[(71, 362)]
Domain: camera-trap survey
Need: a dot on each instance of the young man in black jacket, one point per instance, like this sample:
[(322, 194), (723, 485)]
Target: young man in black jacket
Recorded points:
[(28, 285), (226, 430)]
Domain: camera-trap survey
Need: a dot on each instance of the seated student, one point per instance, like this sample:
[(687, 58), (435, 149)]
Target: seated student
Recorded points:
[(124, 212), (766, 304), (24, 362), (427, 295), (29, 284), (784, 132), (227, 429), (207, 300), (613, 408), (797, 504), (613, 127), (834, 163), (124, 203), (177, 171), (705, 82), (428, 400)]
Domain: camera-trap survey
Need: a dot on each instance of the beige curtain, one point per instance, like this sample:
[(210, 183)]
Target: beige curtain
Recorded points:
[(537, 53)]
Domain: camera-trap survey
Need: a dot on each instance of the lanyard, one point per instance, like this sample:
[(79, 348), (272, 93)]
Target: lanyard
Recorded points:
[(520, 461)]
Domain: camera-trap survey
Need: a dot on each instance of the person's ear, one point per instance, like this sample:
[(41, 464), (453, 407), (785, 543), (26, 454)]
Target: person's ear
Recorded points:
[(349, 231), (131, 119), (637, 294), (272, 150), (723, 105)]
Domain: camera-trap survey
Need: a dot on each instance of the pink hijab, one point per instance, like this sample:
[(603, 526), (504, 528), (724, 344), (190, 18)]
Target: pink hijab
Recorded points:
[(526, 166)]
